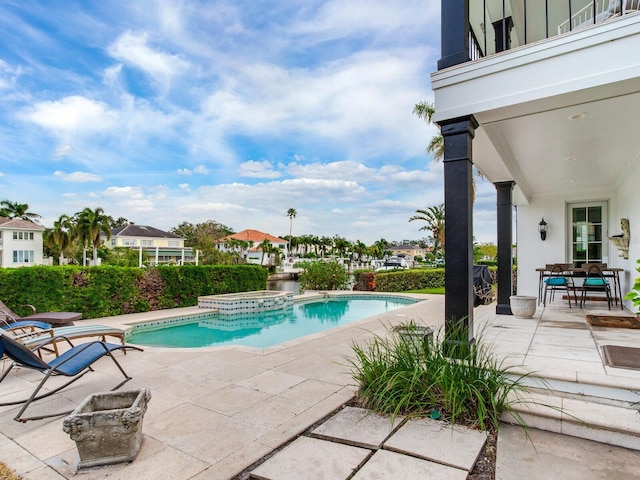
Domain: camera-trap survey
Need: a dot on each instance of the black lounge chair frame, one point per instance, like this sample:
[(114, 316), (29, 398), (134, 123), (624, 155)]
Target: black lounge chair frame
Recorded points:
[(73, 363)]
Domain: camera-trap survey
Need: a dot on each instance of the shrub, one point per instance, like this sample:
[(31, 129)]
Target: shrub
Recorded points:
[(110, 290), (466, 385), (414, 279), (324, 276), (634, 295)]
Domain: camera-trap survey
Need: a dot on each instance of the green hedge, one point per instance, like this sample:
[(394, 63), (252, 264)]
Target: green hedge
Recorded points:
[(417, 279), (414, 279), (104, 291)]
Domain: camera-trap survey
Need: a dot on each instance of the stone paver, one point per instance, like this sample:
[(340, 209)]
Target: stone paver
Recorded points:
[(432, 440), (313, 459), (385, 465), (357, 426)]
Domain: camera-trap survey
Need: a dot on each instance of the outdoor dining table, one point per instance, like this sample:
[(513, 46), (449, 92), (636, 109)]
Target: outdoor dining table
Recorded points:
[(608, 272)]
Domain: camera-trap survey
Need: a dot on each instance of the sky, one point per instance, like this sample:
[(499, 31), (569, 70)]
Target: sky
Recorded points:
[(166, 111)]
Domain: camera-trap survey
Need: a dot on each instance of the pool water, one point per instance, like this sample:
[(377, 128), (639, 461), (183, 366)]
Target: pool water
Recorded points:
[(265, 329)]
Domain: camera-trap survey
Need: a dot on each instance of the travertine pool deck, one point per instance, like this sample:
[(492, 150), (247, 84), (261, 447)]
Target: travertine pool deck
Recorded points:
[(216, 411)]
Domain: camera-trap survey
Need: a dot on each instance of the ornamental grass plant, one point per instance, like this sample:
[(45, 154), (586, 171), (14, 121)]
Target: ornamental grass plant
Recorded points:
[(451, 381)]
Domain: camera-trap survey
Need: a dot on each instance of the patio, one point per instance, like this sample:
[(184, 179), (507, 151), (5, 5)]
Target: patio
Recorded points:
[(214, 412)]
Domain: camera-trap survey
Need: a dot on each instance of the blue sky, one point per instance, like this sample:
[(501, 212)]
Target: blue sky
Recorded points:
[(164, 111)]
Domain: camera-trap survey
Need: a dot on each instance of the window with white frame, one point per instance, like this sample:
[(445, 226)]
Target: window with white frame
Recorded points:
[(588, 233), (23, 256), (146, 243), (174, 243), (129, 242), (23, 235)]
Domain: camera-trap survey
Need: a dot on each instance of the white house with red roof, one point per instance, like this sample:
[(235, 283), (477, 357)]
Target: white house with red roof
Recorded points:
[(20, 243), (253, 253)]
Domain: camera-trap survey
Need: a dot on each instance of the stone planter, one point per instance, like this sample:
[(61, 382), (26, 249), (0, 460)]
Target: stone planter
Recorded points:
[(523, 306), (107, 427)]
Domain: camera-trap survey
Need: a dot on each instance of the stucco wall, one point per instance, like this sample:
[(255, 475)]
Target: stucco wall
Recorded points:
[(627, 205)]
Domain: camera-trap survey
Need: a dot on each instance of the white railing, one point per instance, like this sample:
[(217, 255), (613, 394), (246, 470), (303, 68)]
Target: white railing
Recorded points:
[(604, 10)]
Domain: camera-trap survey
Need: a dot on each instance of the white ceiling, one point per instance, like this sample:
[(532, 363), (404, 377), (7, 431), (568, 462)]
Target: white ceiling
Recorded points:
[(575, 147)]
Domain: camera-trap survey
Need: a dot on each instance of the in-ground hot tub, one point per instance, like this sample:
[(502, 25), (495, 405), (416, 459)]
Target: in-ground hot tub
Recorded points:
[(247, 302)]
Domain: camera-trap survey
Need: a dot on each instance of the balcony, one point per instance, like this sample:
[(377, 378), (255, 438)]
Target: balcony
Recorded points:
[(499, 25)]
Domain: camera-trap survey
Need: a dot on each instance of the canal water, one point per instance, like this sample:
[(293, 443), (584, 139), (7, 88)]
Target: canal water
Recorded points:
[(284, 285)]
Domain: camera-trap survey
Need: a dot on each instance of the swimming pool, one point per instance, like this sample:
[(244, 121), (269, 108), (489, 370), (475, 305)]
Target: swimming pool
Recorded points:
[(263, 329)]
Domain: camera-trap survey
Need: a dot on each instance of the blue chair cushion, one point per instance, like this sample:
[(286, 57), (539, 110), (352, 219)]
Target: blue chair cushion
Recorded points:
[(556, 281), (596, 282)]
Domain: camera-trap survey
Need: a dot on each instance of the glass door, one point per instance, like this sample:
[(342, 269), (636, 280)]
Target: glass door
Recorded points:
[(588, 233)]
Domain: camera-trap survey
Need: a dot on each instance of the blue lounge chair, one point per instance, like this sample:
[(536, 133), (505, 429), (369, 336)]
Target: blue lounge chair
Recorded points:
[(73, 363)]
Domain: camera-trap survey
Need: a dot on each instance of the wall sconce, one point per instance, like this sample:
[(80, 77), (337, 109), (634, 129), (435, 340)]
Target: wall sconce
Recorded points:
[(542, 228)]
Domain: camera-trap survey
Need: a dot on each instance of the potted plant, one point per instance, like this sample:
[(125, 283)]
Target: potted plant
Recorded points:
[(634, 295)]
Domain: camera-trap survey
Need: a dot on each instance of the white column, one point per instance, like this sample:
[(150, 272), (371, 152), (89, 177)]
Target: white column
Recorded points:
[(140, 256), (157, 248)]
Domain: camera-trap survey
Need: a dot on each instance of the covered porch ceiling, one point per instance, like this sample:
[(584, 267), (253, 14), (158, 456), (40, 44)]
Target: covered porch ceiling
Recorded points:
[(563, 144)]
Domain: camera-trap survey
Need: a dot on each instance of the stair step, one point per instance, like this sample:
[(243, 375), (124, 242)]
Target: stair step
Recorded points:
[(610, 421)]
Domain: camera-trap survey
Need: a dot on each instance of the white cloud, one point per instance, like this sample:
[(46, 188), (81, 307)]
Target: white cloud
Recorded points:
[(256, 169), (133, 49), (73, 114), (79, 177), (63, 151), (8, 75), (201, 169), (184, 171)]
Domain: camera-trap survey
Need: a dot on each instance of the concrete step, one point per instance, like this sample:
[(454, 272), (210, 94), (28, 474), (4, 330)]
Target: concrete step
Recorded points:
[(604, 409)]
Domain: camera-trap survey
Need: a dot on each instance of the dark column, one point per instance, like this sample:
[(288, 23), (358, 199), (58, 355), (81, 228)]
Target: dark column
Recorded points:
[(458, 197), (505, 239), (454, 33)]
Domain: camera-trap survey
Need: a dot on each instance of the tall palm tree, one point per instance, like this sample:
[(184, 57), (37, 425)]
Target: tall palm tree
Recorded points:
[(291, 213), (434, 216), (90, 224), (9, 209)]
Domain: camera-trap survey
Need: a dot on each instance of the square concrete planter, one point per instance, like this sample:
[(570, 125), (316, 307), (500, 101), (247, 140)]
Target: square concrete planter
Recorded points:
[(417, 335), (107, 427)]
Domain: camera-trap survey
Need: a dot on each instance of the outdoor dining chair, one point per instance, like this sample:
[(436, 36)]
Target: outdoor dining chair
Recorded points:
[(595, 282), (557, 280), (73, 363)]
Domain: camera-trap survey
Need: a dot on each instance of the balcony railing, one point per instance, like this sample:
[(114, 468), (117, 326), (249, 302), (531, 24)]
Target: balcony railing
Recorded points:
[(498, 25)]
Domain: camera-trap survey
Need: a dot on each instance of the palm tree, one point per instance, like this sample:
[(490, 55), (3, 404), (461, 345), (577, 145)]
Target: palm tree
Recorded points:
[(9, 209), (425, 111), (291, 213), (434, 216), (265, 246), (60, 236), (90, 224)]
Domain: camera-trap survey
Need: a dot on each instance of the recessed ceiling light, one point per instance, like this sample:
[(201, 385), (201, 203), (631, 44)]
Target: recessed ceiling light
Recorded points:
[(578, 116), (569, 180), (572, 159)]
